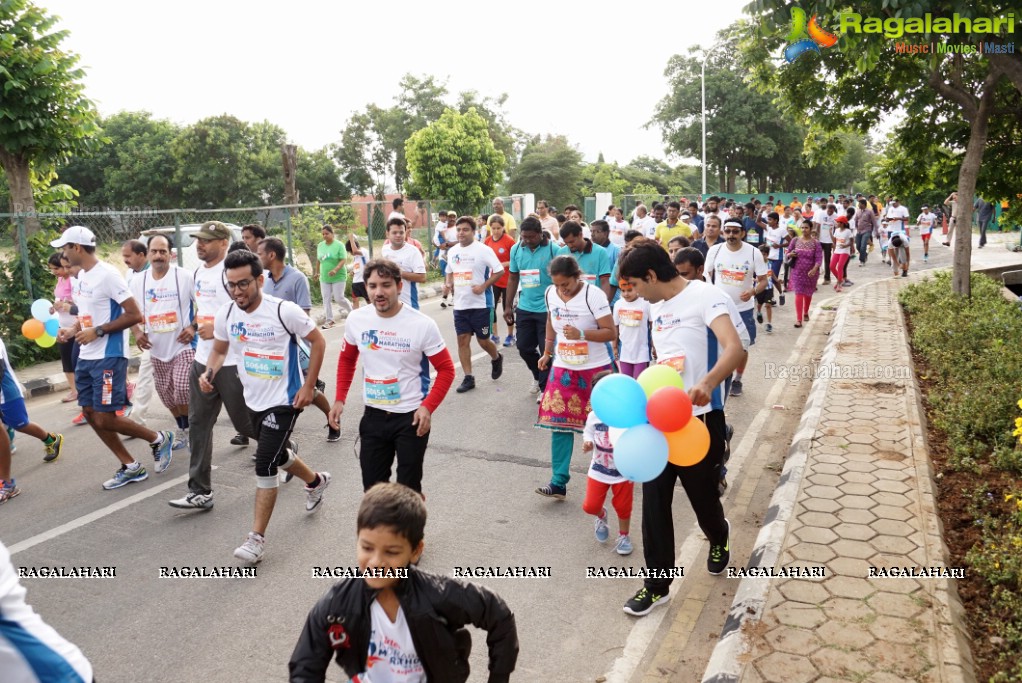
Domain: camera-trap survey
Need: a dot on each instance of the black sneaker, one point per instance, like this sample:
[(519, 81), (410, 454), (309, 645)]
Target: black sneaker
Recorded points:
[(497, 366), (332, 434), (736, 387), (443, 303), (467, 384), (759, 318), (239, 440), (553, 491), (644, 601), (720, 555), (904, 273)]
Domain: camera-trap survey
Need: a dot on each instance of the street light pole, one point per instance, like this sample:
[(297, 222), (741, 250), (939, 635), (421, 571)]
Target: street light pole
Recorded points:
[(702, 79)]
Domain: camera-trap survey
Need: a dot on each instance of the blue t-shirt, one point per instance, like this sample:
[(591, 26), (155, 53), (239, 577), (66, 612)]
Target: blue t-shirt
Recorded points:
[(594, 262), (533, 268), (753, 232)]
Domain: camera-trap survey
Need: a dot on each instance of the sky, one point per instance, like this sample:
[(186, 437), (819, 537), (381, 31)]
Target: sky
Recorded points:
[(569, 68)]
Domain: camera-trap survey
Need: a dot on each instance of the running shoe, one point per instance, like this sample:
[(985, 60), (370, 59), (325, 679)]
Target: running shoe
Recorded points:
[(497, 366), (252, 549), (736, 387), (624, 545), (194, 501), (720, 554), (534, 389), (495, 338), (847, 283), (553, 491), (8, 489), (602, 530), (239, 440), (314, 494), (443, 303), (181, 439), (125, 476), (332, 434), (509, 340), (769, 328), (926, 257), (53, 449), (904, 273), (163, 452), (759, 318), (467, 384), (644, 601), (79, 419)]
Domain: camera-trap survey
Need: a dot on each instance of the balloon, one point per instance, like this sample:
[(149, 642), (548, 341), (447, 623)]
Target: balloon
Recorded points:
[(619, 401), (32, 329), (669, 409), (46, 341), (41, 309), (688, 446), (641, 453), (52, 326), (658, 376), (613, 434)]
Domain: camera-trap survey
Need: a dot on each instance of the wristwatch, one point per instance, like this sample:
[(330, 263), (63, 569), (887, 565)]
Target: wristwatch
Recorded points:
[(100, 332)]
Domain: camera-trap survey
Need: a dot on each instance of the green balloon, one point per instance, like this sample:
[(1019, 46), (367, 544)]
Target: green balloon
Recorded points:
[(659, 376), (46, 341)]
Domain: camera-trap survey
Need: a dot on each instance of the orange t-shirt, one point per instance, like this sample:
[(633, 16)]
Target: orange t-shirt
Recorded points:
[(502, 249)]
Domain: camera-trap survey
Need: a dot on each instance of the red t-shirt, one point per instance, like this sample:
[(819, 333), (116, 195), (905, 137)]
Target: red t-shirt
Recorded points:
[(502, 248)]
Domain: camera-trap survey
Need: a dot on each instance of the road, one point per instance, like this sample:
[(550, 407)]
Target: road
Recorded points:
[(485, 459)]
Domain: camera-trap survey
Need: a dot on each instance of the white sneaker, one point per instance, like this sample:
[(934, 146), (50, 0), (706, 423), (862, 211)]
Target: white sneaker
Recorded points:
[(181, 439), (193, 501), (534, 389), (252, 549), (314, 496)]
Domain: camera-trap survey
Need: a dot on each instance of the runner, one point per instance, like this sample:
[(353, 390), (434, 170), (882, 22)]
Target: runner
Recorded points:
[(591, 258), (358, 264), (105, 312), (408, 258), (528, 278), (672, 227), (392, 336), (140, 392), (631, 316), (690, 320), (644, 223), (926, 221), (472, 268), (210, 295), (501, 244), (167, 329), (264, 332), (582, 325)]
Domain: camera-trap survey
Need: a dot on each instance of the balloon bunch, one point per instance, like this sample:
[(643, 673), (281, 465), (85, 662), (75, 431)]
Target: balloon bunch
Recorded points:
[(650, 422), (43, 325)]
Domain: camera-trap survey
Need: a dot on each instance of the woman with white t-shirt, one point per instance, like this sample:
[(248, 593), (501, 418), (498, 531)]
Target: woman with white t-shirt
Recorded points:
[(842, 250), (579, 325)]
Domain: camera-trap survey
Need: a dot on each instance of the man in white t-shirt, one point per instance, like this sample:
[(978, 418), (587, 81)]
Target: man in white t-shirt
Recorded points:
[(692, 333), (391, 337), (135, 254), (167, 332), (644, 223), (106, 310), (738, 269), (926, 221), (472, 268), (262, 333), (897, 217), (408, 258), (397, 210)]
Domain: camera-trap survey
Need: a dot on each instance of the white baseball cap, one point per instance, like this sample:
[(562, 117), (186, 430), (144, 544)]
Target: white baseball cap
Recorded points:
[(76, 234)]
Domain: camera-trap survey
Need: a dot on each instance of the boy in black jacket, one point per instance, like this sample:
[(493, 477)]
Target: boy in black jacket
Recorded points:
[(413, 626)]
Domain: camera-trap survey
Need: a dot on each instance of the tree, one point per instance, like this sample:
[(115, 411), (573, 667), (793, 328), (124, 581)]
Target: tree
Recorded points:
[(455, 158), (860, 79), (319, 178), (44, 114), (603, 177), (551, 169), (508, 140)]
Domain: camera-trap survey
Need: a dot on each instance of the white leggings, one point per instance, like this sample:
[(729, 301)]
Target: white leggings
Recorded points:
[(335, 291)]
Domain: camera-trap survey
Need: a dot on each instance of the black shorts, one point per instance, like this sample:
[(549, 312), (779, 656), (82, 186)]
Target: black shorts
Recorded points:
[(273, 430), (473, 321), (359, 289), (500, 294), (765, 297)]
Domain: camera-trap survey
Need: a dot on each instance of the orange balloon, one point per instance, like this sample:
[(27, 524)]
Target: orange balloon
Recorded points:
[(688, 446), (33, 329)]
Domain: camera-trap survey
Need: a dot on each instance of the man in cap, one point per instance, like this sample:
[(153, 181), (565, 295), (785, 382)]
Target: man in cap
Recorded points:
[(106, 310)]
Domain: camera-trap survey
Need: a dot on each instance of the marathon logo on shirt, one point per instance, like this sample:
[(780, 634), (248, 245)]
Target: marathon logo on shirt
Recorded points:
[(464, 258), (666, 321), (154, 295), (385, 340), (204, 289), (243, 332), (563, 314)]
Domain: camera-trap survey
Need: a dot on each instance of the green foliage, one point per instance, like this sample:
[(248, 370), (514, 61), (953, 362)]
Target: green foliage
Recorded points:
[(15, 299), (456, 159), (647, 194), (551, 169), (603, 177)]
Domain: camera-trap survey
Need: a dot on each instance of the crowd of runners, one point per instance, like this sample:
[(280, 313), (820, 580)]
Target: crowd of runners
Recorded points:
[(684, 284)]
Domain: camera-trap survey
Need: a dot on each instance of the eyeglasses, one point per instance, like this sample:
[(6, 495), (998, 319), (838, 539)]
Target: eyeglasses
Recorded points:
[(241, 284)]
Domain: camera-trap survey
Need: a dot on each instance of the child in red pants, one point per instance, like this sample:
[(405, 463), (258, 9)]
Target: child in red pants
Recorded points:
[(603, 475)]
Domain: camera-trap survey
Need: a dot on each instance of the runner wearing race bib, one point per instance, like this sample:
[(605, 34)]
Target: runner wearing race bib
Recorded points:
[(926, 221), (529, 278), (592, 259)]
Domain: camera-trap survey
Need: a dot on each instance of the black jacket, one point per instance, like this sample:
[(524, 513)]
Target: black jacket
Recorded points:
[(436, 609)]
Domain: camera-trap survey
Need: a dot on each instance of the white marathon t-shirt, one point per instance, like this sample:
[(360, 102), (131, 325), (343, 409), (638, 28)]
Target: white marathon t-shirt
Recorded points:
[(775, 236), (166, 306), (210, 295), (469, 266), (409, 259), (581, 312), (897, 218), (646, 225), (827, 222), (617, 232), (391, 351), (736, 271), (100, 293), (392, 656), (843, 241), (632, 320), (925, 223), (682, 336), (267, 359), (358, 266)]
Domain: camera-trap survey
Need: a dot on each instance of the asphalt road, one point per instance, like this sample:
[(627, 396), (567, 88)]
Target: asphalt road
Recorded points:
[(485, 459)]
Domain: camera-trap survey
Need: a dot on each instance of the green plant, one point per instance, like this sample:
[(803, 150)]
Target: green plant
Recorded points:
[(15, 299)]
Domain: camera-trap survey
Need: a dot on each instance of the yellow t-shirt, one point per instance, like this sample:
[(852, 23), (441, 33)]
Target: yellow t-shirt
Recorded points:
[(665, 234), (510, 226)]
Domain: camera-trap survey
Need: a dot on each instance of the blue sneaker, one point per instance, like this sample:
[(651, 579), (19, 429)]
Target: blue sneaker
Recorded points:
[(509, 340), (624, 545), (602, 530), (125, 476), (495, 339), (163, 452), (553, 491)]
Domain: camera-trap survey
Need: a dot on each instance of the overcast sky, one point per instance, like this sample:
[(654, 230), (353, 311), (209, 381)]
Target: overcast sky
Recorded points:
[(569, 68)]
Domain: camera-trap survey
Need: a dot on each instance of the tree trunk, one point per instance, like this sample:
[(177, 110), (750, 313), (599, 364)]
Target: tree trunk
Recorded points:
[(17, 169), (721, 180), (289, 156)]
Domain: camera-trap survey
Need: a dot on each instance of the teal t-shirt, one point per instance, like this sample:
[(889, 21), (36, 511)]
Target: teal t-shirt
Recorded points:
[(329, 256), (533, 268), (594, 264)]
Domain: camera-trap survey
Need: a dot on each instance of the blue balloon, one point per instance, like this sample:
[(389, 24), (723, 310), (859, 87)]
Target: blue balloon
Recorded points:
[(52, 325), (619, 401), (41, 310), (641, 453)]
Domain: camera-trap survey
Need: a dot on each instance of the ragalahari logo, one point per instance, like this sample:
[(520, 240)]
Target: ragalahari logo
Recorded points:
[(806, 37)]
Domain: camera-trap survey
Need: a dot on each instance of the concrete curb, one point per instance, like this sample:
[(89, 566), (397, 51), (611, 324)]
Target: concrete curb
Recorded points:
[(40, 386), (727, 660)]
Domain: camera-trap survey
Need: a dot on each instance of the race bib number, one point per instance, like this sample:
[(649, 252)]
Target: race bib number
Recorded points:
[(630, 318), (161, 323), (356, 267), (678, 363), (264, 365), (752, 238), (573, 352), (86, 321), (732, 278), (385, 391), (591, 279), (529, 279), (463, 278), (204, 320)]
